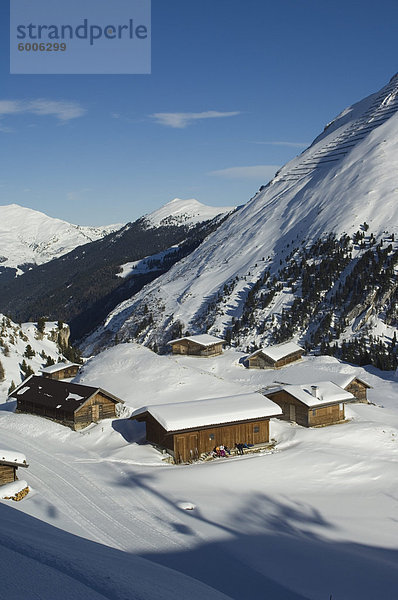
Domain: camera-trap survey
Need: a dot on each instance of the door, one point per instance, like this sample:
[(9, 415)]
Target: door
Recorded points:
[(181, 448), (95, 412), (292, 412), (256, 433), (193, 446)]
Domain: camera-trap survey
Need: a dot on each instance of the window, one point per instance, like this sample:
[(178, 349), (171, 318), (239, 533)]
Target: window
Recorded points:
[(211, 436), (313, 412), (256, 429)]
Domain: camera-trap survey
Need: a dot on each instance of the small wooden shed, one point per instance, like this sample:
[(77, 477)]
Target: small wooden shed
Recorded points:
[(198, 345), (274, 357), (60, 370), (71, 404), (313, 404), (188, 429), (358, 387), (9, 463)]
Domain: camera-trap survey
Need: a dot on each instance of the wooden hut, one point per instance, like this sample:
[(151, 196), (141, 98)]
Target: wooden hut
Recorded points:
[(188, 429), (320, 403), (358, 387), (60, 370), (198, 345), (274, 357), (9, 463), (68, 403)]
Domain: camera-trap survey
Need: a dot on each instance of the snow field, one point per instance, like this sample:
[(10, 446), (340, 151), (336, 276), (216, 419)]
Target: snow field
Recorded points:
[(312, 518)]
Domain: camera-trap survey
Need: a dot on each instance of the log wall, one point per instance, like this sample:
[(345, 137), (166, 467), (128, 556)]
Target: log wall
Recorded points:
[(260, 361), (359, 390), (285, 401), (326, 415), (190, 445), (307, 417), (98, 407), (191, 348), (7, 474), (63, 374)]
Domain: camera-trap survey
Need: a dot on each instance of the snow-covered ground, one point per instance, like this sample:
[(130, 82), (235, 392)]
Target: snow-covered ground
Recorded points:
[(106, 517)]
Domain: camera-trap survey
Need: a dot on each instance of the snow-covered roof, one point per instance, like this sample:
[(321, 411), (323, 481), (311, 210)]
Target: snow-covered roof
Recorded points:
[(10, 457), (342, 379), (203, 339), (327, 392), (278, 351), (57, 394), (57, 367), (178, 416)]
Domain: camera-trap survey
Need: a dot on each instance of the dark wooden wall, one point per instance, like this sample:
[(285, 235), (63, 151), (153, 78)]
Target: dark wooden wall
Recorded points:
[(8, 474), (190, 445), (307, 417), (45, 411), (263, 362), (98, 407), (359, 390), (326, 415), (188, 347), (285, 401), (63, 374), (157, 435)]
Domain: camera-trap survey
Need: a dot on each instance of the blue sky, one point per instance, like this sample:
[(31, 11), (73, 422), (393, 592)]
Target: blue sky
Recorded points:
[(237, 89)]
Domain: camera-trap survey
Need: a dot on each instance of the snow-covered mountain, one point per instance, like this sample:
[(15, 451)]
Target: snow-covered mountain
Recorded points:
[(82, 286), (184, 212), (275, 250), (30, 237)]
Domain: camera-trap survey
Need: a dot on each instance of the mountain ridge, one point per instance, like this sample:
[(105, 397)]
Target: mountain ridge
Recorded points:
[(84, 285), (35, 238)]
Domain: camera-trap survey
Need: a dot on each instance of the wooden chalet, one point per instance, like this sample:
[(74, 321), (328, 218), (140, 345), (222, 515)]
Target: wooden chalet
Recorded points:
[(198, 345), (320, 403), (9, 463), (274, 357), (188, 429), (358, 387), (60, 370), (71, 404)]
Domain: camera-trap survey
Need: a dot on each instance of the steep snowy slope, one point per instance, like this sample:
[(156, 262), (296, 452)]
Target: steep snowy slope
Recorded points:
[(345, 182), (30, 236)]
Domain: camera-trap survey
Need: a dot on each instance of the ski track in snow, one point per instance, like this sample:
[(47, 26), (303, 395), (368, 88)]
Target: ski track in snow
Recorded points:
[(89, 505)]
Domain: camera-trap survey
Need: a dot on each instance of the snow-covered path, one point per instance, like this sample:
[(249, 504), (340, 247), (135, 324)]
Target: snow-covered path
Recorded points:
[(130, 520)]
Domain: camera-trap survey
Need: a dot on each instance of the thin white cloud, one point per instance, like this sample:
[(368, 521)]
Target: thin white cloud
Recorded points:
[(60, 109), (289, 144), (263, 172), (182, 120)]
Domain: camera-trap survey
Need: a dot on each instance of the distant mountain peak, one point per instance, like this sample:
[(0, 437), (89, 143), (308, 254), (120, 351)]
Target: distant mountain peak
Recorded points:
[(28, 236), (185, 212)]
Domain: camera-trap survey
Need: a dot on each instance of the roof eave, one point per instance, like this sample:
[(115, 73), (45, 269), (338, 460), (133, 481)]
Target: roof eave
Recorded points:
[(141, 417)]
